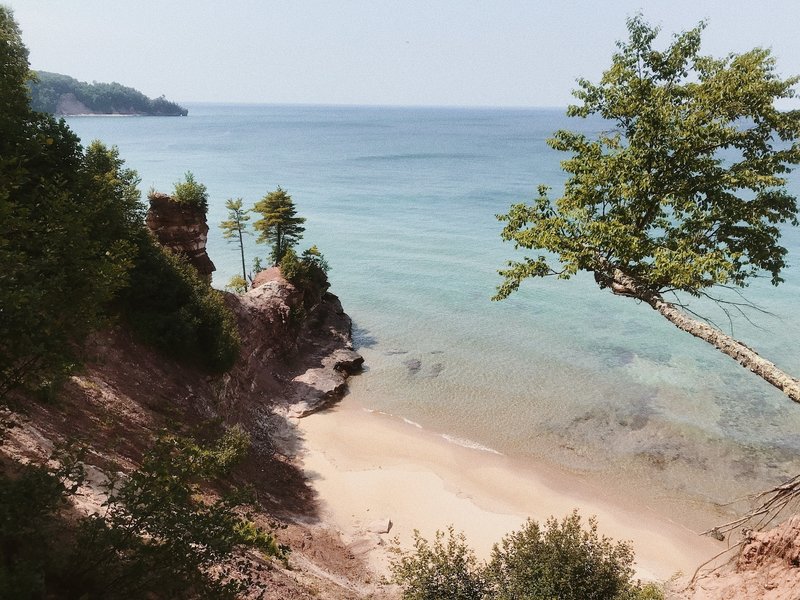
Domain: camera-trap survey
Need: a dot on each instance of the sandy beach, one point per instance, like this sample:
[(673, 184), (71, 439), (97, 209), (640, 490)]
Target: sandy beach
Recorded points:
[(370, 467)]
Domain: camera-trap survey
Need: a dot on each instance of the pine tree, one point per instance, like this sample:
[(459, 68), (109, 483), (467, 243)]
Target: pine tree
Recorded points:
[(279, 225), (236, 226)]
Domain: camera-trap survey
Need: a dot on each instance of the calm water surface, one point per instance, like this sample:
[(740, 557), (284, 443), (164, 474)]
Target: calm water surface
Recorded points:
[(402, 201)]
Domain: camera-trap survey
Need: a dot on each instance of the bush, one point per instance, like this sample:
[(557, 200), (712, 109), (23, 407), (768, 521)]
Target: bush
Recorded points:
[(30, 498), (157, 539), (308, 273), (561, 560), (237, 284), (191, 192), (445, 569), (168, 306)]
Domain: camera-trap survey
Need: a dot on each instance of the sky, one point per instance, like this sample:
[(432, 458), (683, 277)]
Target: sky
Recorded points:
[(375, 52)]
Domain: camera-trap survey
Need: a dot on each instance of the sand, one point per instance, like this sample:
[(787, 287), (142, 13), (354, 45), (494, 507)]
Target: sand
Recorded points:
[(367, 467)]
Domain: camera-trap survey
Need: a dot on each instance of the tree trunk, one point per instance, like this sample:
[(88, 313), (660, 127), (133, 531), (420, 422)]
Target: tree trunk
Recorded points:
[(624, 285), (745, 356), (241, 249)]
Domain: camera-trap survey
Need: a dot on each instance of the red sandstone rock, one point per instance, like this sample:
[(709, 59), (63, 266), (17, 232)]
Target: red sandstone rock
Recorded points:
[(182, 228)]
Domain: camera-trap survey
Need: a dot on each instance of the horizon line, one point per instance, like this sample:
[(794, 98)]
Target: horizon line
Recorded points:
[(365, 105)]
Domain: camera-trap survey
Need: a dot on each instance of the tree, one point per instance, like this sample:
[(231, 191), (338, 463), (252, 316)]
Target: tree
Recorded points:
[(235, 227), (160, 533), (63, 215), (279, 224), (685, 193)]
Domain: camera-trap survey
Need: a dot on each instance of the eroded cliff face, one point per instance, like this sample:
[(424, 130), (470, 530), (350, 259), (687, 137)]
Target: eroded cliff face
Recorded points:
[(766, 568), (182, 228), (291, 362)]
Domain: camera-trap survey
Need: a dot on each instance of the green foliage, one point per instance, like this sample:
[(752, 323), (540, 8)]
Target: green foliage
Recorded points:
[(237, 284), (235, 227), (291, 267), (279, 225), (170, 307), (561, 560), (191, 192), (314, 259), (158, 537), (257, 266), (309, 273), (108, 98), (63, 242), (75, 251), (14, 98), (445, 569), (30, 498), (687, 189)]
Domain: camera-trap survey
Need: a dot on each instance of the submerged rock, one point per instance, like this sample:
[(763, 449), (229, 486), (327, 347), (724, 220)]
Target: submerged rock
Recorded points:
[(436, 370), (413, 365)]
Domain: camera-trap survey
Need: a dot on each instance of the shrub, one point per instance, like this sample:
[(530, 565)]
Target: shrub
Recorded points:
[(191, 192), (30, 498), (308, 273), (237, 284), (169, 306), (157, 538), (445, 569), (561, 560)]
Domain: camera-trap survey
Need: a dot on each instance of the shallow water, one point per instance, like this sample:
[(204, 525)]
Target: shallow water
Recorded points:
[(402, 202)]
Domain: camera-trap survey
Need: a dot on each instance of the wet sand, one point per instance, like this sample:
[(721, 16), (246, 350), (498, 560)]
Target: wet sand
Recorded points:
[(368, 466)]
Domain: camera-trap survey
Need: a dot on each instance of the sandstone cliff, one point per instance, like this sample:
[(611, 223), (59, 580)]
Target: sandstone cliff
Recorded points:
[(182, 228), (288, 366)]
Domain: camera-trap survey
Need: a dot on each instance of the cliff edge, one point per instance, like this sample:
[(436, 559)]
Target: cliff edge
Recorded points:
[(288, 366)]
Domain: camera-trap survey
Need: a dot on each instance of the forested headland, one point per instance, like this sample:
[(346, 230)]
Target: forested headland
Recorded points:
[(64, 95)]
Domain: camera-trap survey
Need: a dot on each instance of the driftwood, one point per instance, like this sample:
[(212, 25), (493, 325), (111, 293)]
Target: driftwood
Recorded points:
[(771, 505)]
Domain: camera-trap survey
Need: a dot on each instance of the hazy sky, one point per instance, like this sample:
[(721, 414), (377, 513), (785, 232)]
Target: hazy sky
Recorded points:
[(432, 52)]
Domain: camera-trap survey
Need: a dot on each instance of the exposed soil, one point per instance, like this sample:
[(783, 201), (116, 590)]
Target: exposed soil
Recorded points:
[(127, 393)]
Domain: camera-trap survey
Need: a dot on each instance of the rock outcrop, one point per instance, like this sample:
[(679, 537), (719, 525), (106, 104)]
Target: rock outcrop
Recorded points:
[(291, 361), (278, 330), (182, 228)]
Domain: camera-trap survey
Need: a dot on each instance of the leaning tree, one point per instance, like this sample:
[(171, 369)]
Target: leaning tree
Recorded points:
[(685, 192)]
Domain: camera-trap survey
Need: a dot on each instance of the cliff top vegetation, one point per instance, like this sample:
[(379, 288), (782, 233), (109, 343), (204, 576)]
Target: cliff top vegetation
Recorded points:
[(61, 94)]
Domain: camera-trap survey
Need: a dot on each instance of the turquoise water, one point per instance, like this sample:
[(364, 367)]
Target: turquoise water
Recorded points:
[(402, 203)]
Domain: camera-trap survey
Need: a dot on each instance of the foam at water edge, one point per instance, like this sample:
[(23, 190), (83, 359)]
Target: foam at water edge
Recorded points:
[(393, 416), (469, 444)]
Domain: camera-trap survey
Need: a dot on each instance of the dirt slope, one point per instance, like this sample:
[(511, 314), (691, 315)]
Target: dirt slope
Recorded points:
[(126, 393)]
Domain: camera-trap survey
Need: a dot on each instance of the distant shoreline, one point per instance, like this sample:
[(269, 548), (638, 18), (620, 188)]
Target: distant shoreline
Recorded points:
[(62, 95), (109, 115)]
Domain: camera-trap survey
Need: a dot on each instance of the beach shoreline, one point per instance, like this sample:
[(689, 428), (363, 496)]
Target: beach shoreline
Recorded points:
[(371, 468)]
